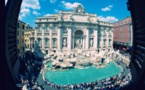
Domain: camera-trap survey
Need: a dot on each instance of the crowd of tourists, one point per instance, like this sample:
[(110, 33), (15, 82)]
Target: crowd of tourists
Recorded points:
[(28, 73), (117, 82), (126, 54), (31, 66)]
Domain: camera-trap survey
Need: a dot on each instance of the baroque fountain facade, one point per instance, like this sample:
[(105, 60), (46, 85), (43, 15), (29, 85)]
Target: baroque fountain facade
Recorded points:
[(71, 30), (74, 39), (79, 59)]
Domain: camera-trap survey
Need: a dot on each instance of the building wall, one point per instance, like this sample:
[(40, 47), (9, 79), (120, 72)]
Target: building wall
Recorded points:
[(28, 35), (20, 39), (62, 27), (123, 32)]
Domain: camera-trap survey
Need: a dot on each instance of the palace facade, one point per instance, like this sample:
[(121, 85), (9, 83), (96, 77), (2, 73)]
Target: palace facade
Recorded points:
[(69, 30)]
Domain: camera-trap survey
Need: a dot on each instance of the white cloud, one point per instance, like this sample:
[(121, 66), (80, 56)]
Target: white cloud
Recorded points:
[(22, 15), (27, 5), (34, 4), (55, 10), (48, 15), (53, 1), (108, 8), (24, 11), (36, 13), (68, 5), (108, 19)]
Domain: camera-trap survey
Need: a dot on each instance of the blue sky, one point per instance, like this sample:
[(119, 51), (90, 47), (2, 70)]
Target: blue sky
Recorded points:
[(106, 10)]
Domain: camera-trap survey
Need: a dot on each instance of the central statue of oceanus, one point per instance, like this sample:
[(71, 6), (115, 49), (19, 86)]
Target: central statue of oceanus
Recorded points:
[(78, 44)]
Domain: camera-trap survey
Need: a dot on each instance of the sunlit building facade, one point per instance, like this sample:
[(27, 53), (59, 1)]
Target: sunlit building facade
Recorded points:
[(20, 39), (29, 37), (69, 30), (123, 34)]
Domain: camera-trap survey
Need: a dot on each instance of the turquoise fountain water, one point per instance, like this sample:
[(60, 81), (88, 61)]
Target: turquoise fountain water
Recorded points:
[(77, 76)]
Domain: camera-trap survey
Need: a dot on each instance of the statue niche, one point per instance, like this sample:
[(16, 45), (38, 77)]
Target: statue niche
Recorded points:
[(91, 42), (78, 43), (64, 42)]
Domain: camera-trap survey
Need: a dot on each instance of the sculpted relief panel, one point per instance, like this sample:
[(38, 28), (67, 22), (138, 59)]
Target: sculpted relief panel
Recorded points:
[(80, 18)]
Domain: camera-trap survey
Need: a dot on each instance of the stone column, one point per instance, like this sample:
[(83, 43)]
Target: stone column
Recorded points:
[(69, 38), (42, 38), (83, 39), (107, 40), (112, 38), (73, 42), (50, 38), (95, 38), (101, 42), (87, 38), (59, 38)]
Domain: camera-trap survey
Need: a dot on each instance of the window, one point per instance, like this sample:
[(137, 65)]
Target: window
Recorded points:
[(23, 27), (104, 33), (39, 41), (18, 25), (17, 41), (23, 49), (46, 41), (109, 42), (22, 33), (17, 32), (47, 28), (54, 41), (18, 51), (104, 42), (33, 34), (39, 28), (46, 51), (22, 40)]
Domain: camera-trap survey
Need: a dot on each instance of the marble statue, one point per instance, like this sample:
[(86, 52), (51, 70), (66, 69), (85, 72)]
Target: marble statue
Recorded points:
[(78, 44), (64, 42), (91, 43), (61, 16)]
